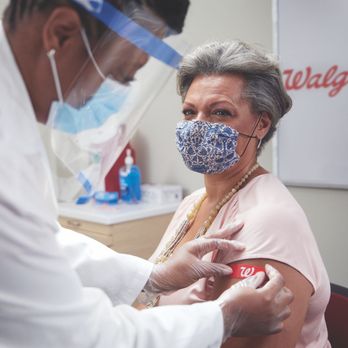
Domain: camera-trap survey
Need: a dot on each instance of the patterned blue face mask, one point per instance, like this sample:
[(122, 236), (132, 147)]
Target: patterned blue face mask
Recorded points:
[(207, 148)]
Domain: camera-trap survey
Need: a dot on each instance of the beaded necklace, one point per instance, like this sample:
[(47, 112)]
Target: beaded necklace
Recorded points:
[(187, 223)]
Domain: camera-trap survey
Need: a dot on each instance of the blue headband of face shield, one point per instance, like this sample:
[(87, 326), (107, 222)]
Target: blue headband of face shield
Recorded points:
[(125, 27)]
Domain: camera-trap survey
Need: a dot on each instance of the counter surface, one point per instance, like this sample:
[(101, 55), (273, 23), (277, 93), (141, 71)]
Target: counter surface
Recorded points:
[(109, 215)]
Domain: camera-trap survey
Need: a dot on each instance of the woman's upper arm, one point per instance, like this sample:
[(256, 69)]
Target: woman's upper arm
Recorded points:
[(302, 290)]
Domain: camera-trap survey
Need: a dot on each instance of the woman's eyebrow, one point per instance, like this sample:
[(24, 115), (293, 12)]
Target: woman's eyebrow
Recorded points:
[(210, 102), (188, 104)]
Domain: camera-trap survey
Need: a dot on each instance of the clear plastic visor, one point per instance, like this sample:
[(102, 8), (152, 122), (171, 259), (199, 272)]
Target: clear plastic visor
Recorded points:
[(123, 72)]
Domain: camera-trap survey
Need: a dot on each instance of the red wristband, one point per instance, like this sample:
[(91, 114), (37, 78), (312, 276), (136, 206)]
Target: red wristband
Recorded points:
[(241, 271)]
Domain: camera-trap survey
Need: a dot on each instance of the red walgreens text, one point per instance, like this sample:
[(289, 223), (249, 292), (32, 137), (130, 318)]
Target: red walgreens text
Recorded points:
[(332, 79)]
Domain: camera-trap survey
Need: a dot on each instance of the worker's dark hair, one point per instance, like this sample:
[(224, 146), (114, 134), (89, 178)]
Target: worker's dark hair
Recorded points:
[(19, 9), (173, 12)]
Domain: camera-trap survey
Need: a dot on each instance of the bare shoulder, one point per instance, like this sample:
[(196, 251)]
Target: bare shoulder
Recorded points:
[(302, 290)]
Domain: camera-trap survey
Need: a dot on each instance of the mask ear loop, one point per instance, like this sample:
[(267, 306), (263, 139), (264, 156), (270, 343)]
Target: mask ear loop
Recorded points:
[(51, 53), (251, 136), (54, 69), (90, 53)]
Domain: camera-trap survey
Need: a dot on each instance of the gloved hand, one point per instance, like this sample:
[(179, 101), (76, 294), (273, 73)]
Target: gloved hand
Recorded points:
[(186, 265), (249, 311)]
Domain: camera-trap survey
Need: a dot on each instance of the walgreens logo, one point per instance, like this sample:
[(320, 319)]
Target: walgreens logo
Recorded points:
[(246, 272), (334, 79)]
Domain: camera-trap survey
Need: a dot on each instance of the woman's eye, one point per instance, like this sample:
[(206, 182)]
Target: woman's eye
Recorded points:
[(188, 113), (222, 112)]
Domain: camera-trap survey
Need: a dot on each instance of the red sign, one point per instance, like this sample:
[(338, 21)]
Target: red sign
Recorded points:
[(333, 79)]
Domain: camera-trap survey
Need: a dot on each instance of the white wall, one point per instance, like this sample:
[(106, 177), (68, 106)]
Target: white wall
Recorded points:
[(250, 20), (327, 212), (3, 3)]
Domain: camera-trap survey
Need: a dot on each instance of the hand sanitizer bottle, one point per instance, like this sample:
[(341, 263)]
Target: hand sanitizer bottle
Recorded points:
[(130, 180)]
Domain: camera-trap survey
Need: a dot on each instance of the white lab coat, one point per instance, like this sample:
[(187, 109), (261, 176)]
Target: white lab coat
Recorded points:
[(74, 292)]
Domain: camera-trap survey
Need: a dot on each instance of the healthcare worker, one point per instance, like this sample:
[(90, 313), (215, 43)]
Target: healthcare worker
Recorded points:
[(61, 289)]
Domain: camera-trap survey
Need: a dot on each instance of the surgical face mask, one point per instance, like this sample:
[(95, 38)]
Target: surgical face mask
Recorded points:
[(106, 102), (207, 148)]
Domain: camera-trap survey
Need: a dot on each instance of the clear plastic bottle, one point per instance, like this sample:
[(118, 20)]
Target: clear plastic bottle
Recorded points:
[(130, 180)]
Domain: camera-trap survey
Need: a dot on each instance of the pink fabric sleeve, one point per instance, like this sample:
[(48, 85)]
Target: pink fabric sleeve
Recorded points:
[(275, 227), (280, 233)]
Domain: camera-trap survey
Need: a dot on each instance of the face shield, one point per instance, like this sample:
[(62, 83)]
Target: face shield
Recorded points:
[(125, 70)]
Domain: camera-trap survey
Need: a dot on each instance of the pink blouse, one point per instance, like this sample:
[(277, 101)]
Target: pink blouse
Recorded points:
[(275, 227)]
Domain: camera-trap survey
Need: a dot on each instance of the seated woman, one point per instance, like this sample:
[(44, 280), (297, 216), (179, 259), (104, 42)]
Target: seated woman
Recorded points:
[(233, 98)]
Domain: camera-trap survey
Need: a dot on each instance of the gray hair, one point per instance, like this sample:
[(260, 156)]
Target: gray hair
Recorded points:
[(263, 88)]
